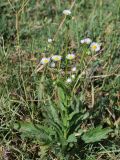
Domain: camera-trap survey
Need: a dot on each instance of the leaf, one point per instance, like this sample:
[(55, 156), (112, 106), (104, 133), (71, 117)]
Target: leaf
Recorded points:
[(85, 116), (52, 111), (96, 134), (61, 94), (28, 129), (72, 138), (25, 127)]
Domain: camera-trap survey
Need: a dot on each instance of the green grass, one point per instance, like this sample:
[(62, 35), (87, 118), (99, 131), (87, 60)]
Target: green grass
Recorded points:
[(40, 113)]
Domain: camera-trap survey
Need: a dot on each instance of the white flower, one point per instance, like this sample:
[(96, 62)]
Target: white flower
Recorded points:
[(95, 46), (56, 58), (69, 80), (52, 65), (73, 76), (86, 40), (50, 40), (45, 60), (67, 12), (74, 69), (70, 56)]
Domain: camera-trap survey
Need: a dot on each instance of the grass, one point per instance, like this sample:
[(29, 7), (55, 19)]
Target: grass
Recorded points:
[(41, 116)]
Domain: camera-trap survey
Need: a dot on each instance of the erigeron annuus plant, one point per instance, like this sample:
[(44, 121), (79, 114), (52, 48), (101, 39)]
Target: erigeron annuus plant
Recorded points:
[(61, 106)]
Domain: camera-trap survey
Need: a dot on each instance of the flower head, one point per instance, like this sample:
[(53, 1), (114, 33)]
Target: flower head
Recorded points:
[(95, 46), (74, 69), (69, 80), (67, 12), (70, 56), (45, 60), (86, 40), (56, 58), (73, 76), (50, 40)]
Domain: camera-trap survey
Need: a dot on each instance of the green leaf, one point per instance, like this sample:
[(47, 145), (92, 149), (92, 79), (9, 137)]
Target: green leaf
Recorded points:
[(72, 138), (52, 111), (85, 116), (28, 129), (61, 94), (96, 134), (25, 127)]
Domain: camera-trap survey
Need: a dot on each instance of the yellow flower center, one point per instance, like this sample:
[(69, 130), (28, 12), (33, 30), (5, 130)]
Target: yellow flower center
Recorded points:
[(46, 61), (56, 58), (94, 47), (70, 57)]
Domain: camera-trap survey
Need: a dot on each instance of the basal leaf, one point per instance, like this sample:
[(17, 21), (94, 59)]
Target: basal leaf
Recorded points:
[(28, 129)]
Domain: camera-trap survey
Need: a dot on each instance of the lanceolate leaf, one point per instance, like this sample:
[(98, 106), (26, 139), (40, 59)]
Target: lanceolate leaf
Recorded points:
[(28, 129), (61, 94)]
